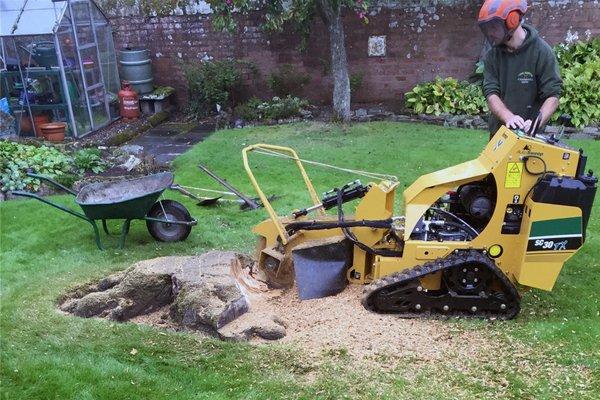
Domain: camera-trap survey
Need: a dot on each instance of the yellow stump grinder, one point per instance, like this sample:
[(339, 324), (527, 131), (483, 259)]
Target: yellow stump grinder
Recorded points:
[(472, 232)]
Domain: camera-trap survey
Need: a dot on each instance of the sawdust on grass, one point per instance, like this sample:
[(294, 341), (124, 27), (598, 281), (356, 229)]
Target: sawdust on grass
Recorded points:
[(341, 323)]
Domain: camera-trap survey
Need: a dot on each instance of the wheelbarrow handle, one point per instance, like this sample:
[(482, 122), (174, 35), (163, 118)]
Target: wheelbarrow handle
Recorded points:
[(65, 209), (51, 181), (55, 205)]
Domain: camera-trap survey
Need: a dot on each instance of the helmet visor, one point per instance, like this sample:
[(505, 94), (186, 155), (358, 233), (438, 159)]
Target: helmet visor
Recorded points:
[(495, 31)]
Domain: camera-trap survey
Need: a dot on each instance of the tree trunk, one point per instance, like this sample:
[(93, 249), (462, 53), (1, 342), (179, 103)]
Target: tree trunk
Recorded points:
[(332, 16)]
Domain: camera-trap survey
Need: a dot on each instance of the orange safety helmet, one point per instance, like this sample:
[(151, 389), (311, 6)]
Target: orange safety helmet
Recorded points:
[(498, 19)]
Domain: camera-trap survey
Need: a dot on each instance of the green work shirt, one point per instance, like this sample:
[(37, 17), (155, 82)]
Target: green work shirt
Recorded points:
[(523, 78)]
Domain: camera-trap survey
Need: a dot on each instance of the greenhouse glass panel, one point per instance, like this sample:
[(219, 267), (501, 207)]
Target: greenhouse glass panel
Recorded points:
[(58, 64), (30, 17)]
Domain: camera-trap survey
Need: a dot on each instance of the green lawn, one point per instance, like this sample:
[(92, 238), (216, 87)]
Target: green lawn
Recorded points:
[(551, 350)]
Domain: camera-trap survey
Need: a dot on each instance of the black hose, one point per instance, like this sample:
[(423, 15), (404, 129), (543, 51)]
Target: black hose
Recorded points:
[(323, 225), (350, 236), (526, 158), (457, 218), (460, 227)]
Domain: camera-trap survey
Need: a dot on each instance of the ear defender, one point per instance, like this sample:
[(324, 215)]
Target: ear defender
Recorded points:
[(513, 20)]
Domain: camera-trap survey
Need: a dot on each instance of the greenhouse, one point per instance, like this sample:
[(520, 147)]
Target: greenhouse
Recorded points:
[(57, 64)]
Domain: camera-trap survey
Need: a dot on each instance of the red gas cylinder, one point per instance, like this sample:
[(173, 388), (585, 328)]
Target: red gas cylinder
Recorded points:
[(129, 102)]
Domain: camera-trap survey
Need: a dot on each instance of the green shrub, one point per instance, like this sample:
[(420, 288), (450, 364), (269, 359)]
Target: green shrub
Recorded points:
[(67, 179), (16, 159), (577, 53), (288, 81), (89, 160), (211, 83), (277, 108), (581, 94), (446, 96), (356, 81), (580, 70)]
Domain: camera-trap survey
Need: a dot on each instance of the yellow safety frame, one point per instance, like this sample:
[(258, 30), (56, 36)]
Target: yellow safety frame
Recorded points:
[(265, 201)]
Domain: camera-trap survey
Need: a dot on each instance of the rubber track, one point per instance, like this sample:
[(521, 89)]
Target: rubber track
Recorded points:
[(513, 298)]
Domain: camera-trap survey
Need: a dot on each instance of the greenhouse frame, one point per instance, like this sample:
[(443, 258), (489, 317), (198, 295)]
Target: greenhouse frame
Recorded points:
[(58, 63)]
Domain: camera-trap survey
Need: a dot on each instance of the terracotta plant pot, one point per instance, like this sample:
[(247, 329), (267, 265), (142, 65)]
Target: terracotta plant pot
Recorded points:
[(54, 131), (38, 121)]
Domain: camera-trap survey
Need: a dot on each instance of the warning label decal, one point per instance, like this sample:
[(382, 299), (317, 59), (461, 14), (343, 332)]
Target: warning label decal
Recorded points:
[(514, 171)]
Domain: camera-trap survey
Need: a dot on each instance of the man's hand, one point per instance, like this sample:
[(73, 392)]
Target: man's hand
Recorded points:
[(504, 114), (527, 126), (516, 121)]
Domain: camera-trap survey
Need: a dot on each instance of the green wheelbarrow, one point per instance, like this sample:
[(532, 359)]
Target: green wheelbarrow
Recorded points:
[(166, 220)]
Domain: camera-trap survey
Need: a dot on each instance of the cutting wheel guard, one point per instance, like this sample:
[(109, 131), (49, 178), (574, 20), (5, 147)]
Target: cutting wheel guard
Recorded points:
[(320, 267)]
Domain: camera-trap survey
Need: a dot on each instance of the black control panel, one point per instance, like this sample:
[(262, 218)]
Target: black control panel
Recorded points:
[(512, 219)]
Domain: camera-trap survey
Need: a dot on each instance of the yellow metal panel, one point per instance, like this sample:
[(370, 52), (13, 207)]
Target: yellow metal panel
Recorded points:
[(541, 269), (431, 252), (360, 265), (377, 204), (541, 274)]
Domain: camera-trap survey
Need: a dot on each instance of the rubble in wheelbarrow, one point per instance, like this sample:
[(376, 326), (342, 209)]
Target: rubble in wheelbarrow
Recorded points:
[(201, 293)]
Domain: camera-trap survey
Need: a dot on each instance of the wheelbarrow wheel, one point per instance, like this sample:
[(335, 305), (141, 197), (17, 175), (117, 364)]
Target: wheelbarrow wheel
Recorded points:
[(166, 232)]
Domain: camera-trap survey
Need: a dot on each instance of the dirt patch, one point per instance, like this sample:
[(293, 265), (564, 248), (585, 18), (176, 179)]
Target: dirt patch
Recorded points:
[(214, 294)]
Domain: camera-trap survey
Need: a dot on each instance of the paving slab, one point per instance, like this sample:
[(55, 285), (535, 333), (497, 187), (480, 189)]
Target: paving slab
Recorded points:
[(169, 140)]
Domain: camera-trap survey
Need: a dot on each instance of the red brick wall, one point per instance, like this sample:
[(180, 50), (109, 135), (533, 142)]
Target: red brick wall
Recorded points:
[(422, 42)]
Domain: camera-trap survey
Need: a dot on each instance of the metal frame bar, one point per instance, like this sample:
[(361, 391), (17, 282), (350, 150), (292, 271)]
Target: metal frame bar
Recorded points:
[(65, 85), (81, 70), (2, 47), (265, 200), (106, 108), (52, 182), (24, 82), (67, 210)]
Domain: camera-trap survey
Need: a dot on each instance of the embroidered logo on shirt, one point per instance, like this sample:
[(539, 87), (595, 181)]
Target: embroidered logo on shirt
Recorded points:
[(525, 77)]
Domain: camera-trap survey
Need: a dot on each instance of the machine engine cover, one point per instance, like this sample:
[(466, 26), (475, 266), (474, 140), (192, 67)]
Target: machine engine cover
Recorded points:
[(577, 192), (477, 203)]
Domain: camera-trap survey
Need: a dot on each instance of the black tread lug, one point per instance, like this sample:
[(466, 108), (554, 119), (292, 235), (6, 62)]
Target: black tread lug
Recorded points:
[(454, 260)]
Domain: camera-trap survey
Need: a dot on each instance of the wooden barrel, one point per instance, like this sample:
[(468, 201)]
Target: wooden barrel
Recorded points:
[(136, 68)]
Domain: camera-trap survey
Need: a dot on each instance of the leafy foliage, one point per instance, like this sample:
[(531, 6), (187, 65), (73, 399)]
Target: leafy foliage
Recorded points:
[(288, 81), (356, 81), (16, 159), (212, 83), (89, 160), (577, 53), (277, 13), (277, 108), (580, 69), (446, 96)]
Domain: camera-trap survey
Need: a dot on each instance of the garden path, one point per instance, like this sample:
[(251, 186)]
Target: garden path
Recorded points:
[(169, 140)]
